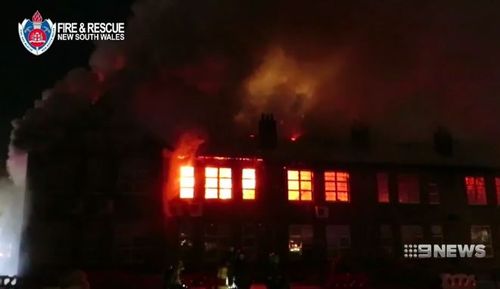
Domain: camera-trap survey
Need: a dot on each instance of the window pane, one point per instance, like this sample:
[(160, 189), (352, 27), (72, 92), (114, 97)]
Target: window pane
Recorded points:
[(408, 189), (330, 196), (248, 194), (225, 173), (305, 175), (329, 186), (248, 184), (306, 195), (187, 193), (293, 195), (211, 183), (293, 185), (293, 175), (225, 183), (305, 185), (211, 172), (476, 191), (225, 194), (210, 193), (248, 174), (383, 187)]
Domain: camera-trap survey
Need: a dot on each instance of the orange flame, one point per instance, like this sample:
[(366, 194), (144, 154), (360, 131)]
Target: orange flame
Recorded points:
[(183, 156)]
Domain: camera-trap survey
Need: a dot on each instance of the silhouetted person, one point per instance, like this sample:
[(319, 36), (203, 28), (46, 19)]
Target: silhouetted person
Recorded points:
[(275, 277), (242, 277), (172, 278)]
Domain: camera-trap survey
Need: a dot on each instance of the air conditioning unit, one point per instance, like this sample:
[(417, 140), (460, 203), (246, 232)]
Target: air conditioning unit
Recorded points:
[(322, 212), (196, 210)]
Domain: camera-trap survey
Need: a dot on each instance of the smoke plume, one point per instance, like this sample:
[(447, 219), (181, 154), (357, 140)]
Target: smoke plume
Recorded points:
[(404, 67)]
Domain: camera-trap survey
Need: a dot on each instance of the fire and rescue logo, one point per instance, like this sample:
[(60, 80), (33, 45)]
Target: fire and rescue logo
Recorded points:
[(37, 34)]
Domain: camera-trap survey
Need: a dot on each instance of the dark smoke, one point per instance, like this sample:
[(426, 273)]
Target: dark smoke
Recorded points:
[(404, 67)]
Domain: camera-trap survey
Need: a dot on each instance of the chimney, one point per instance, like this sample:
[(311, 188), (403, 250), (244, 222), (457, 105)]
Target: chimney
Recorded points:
[(360, 136), (268, 135), (443, 142)]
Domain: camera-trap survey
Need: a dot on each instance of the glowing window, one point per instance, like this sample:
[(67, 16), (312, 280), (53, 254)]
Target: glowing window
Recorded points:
[(218, 183), (408, 189), (476, 191), (186, 182), (481, 234), (300, 185), (337, 186), (383, 187), (248, 184)]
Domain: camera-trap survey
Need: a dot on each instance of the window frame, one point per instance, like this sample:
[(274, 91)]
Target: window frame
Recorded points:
[(300, 181), (470, 200), (219, 188), (336, 182)]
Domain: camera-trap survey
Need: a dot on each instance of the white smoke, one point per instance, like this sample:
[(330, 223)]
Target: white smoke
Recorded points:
[(12, 202)]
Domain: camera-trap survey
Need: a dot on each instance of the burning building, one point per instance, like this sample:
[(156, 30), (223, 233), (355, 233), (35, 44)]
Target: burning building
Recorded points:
[(114, 197)]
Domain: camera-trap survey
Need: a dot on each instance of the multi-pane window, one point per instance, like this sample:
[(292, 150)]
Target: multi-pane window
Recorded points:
[(433, 193), (216, 240), (218, 183), (437, 234), (338, 237), (300, 237), (383, 187), (337, 186), (248, 184), (300, 185), (408, 189), (186, 182), (482, 235), (411, 234), (386, 238), (497, 189), (476, 191)]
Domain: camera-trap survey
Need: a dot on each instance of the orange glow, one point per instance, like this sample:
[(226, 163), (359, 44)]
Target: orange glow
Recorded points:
[(248, 184), (186, 182), (299, 185), (295, 136), (337, 186), (218, 183), (179, 182), (219, 158)]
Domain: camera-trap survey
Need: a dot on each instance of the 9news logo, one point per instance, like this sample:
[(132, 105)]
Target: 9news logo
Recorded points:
[(425, 251)]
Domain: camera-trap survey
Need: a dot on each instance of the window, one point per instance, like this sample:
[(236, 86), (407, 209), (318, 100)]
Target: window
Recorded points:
[(411, 234), (186, 182), (433, 191), (337, 186), (476, 192), (300, 185), (248, 184), (482, 235), (300, 237), (218, 183), (338, 237), (386, 238), (408, 189), (437, 234), (383, 187), (497, 189), (216, 240)]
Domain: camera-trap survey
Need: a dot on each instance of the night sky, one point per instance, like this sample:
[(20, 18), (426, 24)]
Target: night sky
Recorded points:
[(404, 67), (24, 76)]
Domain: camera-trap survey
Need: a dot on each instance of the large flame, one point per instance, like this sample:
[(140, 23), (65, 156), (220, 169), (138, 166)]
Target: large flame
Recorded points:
[(183, 155)]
